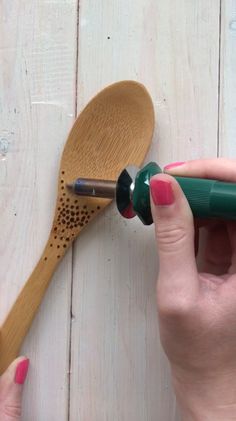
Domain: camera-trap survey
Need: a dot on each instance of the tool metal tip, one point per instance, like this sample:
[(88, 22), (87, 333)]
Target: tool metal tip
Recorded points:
[(70, 186), (93, 188)]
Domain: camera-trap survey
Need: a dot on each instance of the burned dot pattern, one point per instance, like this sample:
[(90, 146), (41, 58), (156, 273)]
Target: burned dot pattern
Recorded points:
[(70, 216)]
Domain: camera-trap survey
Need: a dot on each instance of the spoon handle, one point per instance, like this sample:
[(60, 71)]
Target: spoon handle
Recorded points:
[(21, 315)]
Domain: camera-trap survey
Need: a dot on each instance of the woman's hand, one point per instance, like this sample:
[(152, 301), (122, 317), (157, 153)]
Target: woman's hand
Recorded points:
[(197, 311), (11, 387)]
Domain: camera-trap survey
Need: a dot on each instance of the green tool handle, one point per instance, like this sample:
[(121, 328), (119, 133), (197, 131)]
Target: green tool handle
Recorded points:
[(207, 198)]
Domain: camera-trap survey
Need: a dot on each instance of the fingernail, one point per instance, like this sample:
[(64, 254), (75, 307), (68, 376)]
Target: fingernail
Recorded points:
[(162, 193), (174, 164), (21, 371)]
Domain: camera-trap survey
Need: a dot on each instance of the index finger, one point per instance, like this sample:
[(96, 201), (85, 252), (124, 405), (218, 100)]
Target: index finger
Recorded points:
[(217, 169)]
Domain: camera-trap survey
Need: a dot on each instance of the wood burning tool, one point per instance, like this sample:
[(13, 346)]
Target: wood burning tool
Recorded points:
[(207, 198)]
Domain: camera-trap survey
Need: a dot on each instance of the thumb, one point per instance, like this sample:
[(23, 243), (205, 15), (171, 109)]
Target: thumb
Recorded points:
[(11, 387), (174, 229)]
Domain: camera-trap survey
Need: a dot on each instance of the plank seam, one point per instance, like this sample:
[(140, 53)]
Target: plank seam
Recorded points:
[(219, 80), (72, 254), (77, 59)]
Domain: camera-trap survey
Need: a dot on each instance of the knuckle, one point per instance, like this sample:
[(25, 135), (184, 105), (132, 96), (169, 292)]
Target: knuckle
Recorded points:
[(12, 411), (169, 235)]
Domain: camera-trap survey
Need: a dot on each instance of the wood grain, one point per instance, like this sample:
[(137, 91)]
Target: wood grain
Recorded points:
[(37, 103), (227, 99)]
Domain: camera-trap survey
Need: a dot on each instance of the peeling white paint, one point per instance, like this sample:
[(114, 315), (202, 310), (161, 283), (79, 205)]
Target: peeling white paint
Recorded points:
[(4, 147)]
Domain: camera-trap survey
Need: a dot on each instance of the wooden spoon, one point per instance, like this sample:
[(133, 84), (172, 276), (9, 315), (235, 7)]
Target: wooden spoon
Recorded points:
[(114, 130)]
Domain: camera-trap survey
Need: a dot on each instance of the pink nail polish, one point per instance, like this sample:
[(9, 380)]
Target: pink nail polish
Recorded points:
[(162, 193), (21, 371), (174, 164)]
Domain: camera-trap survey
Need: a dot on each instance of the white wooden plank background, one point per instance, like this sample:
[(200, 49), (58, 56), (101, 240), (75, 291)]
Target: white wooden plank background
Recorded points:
[(54, 56), (37, 91), (227, 111)]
